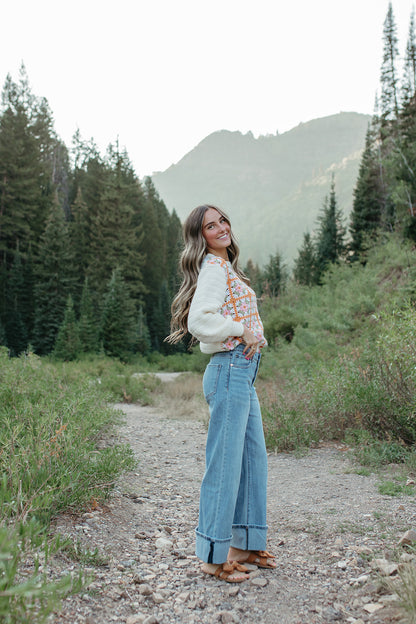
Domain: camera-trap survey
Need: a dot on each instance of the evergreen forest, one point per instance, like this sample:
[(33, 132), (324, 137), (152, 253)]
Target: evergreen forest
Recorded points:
[(84, 244)]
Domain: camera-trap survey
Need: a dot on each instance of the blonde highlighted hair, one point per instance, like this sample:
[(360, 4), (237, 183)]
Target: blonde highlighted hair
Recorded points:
[(190, 262)]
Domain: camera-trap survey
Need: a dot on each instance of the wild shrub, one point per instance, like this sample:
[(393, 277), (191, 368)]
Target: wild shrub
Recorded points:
[(351, 363), (281, 322), (374, 386)]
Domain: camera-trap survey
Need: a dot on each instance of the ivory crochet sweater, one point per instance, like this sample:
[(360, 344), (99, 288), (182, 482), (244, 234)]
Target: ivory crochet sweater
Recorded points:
[(221, 306)]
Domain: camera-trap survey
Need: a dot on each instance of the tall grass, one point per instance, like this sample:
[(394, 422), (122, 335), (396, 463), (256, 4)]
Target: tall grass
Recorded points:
[(53, 457)]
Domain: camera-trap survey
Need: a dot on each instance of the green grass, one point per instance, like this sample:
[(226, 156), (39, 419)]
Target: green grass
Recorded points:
[(27, 595), (76, 551), (393, 488), (56, 454)]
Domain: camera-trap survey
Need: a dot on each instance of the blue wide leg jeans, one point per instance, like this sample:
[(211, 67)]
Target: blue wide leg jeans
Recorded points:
[(232, 509)]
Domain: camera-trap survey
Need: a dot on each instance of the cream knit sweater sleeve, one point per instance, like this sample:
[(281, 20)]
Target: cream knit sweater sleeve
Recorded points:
[(205, 321)]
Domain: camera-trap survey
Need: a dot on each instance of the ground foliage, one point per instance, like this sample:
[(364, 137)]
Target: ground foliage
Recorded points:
[(57, 454), (342, 355)]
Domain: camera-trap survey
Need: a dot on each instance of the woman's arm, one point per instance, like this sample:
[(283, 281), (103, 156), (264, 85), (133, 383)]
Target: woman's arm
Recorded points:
[(204, 320)]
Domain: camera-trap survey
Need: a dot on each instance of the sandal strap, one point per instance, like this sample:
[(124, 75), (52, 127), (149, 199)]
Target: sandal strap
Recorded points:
[(265, 554), (228, 568)]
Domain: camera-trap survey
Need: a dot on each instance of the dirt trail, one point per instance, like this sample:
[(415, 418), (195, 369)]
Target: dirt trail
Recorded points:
[(326, 522)]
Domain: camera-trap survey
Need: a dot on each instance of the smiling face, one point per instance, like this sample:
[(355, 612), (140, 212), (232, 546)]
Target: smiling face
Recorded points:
[(217, 232)]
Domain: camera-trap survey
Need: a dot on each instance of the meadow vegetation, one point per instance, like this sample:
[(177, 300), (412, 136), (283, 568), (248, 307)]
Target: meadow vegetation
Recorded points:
[(58, 452), (350, 364)]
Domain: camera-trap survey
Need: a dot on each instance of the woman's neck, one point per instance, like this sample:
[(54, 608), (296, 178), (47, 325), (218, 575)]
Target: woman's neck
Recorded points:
[(221, 253)]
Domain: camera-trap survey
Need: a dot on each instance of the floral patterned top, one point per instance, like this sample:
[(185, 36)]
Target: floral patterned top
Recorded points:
[(221, 306)]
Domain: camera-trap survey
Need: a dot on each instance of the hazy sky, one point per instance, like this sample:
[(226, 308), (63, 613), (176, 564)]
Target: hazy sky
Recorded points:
[(162, 74)]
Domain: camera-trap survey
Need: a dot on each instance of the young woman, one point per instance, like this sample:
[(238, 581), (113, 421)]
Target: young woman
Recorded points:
[(217, 306)]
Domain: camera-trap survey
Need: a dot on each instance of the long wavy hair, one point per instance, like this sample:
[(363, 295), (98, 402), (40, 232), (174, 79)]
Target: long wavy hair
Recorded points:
[(190, 262)]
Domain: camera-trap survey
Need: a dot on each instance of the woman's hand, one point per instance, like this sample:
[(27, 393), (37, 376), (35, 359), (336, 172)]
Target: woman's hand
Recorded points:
[(250, 341)]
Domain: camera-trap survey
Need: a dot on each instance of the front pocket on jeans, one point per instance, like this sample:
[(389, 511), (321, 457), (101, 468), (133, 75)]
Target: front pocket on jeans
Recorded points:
[(210, 381), (240, 360)]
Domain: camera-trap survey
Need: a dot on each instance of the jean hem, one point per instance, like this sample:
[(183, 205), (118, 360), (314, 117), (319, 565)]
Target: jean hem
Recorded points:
[(212, 550), (251, 537)]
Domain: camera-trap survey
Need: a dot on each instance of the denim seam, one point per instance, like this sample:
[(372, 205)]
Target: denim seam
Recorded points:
[(250, 526), (249, 477), (214, 540), (214, 390), (225, 437)]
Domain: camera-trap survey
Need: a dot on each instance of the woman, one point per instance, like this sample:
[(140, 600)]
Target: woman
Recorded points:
[(217, 306)]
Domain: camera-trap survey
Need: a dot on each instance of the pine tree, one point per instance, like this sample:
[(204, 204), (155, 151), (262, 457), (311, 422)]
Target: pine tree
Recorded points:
[(304, 271), (87, 184), (68, 345), (2, 335), (389, 75), (142, 342), (403, 185), (88, 325), (330, 245), (53, 280), (368, 204), (155, 253), (174, 248), (15, 328), (20, 191), (274, 276), (28, 294), (255, 276), (403, 161), (409, 78), (27, 144), (115, 240), (79, 233), (161, 319), (3, 291), (118, 319)]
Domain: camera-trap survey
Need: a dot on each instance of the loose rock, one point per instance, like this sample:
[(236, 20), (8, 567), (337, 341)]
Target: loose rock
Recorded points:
[(152, 576)]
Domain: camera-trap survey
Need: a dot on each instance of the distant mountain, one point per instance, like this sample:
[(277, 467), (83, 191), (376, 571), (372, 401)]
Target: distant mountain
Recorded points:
[(272, 187)]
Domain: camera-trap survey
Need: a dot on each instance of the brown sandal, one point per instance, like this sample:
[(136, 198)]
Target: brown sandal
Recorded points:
[(260, 559), (227, 569)]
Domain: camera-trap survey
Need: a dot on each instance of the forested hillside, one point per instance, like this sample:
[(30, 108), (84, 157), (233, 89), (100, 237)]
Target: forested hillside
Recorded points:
[(273, 186), (80, 237)]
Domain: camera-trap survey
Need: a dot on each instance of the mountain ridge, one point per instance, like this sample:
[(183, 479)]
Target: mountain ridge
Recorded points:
[(273, 186)]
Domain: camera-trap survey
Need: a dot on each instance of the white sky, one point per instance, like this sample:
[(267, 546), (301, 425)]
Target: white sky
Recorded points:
[(163, 74)]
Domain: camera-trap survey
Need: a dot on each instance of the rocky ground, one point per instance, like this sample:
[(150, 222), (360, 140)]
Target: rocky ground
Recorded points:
[(334, 535)]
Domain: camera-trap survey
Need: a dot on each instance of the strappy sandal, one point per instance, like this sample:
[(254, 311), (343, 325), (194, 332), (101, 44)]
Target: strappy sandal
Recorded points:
[(227, 569), (260, 559)]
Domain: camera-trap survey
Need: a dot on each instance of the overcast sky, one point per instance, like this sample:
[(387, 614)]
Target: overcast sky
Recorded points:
[(163, 74)]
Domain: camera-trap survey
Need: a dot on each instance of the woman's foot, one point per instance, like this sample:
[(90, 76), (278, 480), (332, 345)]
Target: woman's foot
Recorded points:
[(260, 558), (229, 571)]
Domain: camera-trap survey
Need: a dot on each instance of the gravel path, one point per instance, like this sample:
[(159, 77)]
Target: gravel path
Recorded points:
[(327, 526)]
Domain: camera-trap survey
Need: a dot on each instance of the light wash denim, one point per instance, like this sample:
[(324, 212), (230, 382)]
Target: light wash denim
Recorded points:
[(232, 509)]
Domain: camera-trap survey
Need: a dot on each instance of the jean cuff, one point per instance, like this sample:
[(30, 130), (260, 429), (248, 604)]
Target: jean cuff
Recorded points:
[(251, 537), (212, 550)]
